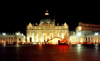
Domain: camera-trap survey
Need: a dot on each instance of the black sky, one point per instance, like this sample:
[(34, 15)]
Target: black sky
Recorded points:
[(15, 16)]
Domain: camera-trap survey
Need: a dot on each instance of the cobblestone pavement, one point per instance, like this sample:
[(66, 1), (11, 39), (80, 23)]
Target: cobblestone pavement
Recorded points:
[(75, 52)]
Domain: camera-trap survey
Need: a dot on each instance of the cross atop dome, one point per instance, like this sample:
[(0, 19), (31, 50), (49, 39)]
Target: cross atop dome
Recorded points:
[(46, 12)]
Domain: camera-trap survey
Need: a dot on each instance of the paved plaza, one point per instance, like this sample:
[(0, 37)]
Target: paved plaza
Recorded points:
[(75, 52)]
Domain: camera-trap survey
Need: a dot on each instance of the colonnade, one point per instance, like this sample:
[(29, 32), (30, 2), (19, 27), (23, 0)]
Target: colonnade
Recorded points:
[(94, 40), (89, 39), (7, 40)]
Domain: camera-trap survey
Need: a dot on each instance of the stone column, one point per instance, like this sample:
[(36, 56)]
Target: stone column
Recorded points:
[(62, 35), (45, 37), (10, 40), (99, 40), (17, 40), (52, 35), (78, 39), (94, 40), (4, 41), (37, 37), (91, 39), (32, 37), (87, 39), (0, 39), (58, 34), (49, 36), (42, 37), (7, 39)]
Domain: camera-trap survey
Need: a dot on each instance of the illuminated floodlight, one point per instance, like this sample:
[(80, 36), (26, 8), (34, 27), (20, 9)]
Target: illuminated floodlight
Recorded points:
[(79, 34), (17, 33), (3, 33), (96, 33)]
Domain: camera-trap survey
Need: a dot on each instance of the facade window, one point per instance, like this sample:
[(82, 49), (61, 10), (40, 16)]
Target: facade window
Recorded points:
[(30, 28), (39, 27), (30, 39), (55, 27), (59, 27)]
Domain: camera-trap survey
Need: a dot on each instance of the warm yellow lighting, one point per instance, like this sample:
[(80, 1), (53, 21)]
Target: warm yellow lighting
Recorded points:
[(65, 26), (59, 27), (79, 34), (80, 28), (81, 40), (39, 28), (70, 39), (4, 33), (46, 12), (55, 27)]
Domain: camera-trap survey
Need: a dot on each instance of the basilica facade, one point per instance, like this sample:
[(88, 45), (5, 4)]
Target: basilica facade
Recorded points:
[(46, 31)]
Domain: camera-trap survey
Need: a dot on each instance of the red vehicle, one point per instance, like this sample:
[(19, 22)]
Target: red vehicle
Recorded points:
[(61, 42)]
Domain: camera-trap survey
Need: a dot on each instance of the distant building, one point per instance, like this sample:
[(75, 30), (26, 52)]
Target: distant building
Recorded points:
[(86, 32), (46, 31), (17, 38)]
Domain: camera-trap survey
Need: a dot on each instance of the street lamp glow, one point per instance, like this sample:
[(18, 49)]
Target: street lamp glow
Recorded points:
[(96, 33), (80, 28), (79, 34), (4, 33), (17, 33)]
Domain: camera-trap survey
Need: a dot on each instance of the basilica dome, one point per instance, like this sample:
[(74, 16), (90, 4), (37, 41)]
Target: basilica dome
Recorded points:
[(46, 19)]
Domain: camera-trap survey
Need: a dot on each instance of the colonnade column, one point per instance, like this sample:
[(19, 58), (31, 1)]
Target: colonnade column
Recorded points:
[(11, 40), (99, 40), (94, 40), (0, 39), (17, 40), (32, 37), (37, 36), (43, 37), (90, 40), (49, 36), (87, 39), (58, 34), (52, 35)]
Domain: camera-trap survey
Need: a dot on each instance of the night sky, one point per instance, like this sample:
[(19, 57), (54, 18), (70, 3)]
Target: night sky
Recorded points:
[(15, 16)]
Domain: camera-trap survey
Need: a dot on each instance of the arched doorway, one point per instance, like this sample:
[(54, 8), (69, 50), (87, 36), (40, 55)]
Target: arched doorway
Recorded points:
[(30, 39)]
